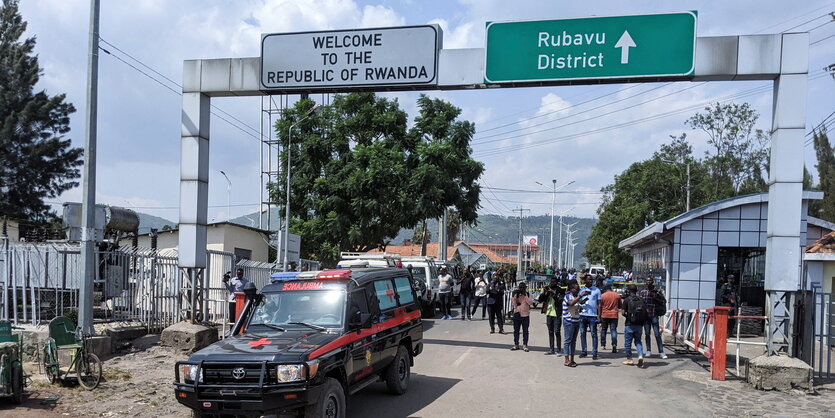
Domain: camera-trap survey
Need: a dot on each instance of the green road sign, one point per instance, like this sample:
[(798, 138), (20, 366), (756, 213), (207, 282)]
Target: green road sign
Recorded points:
[(657, 45)]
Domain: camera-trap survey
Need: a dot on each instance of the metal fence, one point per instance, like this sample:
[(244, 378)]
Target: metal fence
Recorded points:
[(38, 280), (42, 281), (823, 342)]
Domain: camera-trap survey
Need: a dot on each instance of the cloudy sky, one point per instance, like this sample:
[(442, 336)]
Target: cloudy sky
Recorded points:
[(584, 134)]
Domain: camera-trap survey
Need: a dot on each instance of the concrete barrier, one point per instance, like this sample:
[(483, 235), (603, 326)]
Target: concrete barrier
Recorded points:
[(100, 345), (122, 336), (188, 337), (779, 373)]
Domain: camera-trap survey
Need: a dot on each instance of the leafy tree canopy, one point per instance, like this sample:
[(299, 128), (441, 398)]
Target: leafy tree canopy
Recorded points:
[(37, 161), (824, 209), (655, 189), (359, 174)]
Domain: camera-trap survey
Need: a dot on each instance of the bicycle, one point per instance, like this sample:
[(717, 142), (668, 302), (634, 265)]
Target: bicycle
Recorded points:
[(86, 365)]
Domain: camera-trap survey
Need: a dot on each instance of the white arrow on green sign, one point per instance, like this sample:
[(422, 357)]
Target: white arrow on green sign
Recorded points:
[(655, 45)]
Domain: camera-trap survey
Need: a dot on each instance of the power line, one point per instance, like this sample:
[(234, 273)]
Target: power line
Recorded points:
[(586, 120), (822, 39), (554, 111), (501, 189), (515, 147), (798, 17), (240, 125)]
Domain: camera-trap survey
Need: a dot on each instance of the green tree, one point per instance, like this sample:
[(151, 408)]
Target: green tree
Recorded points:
[(421, 235), (824, 209), (359, 176), (37, 161), (443, 173), (738, 159), (654, 190)]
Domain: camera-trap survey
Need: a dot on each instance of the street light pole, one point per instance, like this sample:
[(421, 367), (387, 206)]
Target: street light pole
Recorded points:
[(228, 196), (553, 201), (313, 110)]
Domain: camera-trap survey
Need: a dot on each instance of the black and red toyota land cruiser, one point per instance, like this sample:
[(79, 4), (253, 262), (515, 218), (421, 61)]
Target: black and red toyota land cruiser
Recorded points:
[(306, 342)]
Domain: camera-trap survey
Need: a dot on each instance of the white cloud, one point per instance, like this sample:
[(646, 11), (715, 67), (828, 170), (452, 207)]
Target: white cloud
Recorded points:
[(139, 120)]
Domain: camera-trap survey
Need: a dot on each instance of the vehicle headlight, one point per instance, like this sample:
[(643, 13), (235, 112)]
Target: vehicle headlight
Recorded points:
[(191, 372), (289, 373)]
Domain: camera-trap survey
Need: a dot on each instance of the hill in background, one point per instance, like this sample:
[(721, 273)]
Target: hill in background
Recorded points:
[(146, 222), (505, 230)]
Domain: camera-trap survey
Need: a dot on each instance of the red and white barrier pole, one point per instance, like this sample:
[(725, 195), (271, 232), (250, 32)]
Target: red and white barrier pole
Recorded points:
[(720, 342)]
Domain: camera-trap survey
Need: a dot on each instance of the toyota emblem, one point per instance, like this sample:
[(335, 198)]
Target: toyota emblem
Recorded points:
[(239, 373)]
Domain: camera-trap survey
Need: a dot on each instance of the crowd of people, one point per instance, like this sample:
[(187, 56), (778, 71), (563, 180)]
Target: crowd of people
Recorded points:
[(573, 304)]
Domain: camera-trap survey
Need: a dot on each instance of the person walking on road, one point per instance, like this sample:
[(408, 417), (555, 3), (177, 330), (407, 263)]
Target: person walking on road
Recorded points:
[(635, 313), (571, 321), (234, 285), (610, 304), (495, 303), (521, 316), (655, 302), (551, 300), (480, 287), (445, 293), (466, 294), (589, 316)]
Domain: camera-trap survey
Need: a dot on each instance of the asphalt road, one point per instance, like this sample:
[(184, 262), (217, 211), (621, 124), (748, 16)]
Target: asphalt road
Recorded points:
[(464, 371)]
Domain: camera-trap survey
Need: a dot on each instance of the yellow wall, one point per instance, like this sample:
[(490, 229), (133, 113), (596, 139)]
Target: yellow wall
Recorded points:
[(828, 276)]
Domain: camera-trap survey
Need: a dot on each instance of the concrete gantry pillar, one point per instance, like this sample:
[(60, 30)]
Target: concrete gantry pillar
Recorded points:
[(194, 188), (785, 186)]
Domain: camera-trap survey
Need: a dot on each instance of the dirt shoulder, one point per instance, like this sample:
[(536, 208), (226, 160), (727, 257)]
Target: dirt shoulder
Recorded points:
[(136, 383)]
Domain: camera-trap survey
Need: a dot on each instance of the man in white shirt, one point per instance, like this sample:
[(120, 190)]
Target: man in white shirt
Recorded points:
[(236, 284)]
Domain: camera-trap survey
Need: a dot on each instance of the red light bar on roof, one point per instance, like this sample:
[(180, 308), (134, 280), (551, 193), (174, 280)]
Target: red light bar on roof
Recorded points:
[(334, 274)]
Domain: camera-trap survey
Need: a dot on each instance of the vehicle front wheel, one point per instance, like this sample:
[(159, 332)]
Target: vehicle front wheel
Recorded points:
[(398, 373), (332, 403)]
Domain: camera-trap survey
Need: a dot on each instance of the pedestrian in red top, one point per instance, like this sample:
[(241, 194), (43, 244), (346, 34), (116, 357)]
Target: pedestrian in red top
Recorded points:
[(610, 304)]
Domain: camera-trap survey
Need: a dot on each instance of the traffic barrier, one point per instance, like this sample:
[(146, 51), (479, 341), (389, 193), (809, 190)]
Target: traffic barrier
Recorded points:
[(705, 331), (739, 342)]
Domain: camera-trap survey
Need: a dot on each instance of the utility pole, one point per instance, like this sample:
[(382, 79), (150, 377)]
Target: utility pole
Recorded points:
[(519, 242), (688, 187), (442, 238), (88, 206)]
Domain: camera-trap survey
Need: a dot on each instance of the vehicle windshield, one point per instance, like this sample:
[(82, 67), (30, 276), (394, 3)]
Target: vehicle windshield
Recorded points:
[(419, 273), (291, 309)]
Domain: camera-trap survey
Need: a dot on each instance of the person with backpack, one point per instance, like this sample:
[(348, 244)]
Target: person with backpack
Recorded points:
[(635, 313), (480, 296), (571, 321), (521, 316), (551, 300), (656, 305)]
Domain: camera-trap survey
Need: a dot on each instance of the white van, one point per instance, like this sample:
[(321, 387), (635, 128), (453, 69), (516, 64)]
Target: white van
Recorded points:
[(425, 272), (597, 271), (362, 260)]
